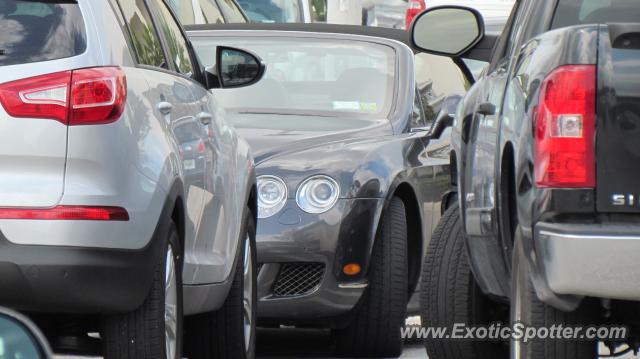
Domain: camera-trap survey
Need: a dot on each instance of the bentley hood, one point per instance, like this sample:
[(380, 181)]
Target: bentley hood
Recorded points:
[(274, 135), (359, 154)]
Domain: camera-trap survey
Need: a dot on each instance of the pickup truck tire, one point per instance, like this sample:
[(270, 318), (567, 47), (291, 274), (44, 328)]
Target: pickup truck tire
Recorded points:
[(144, 333), (374, 332), (527, 309), (230, 332), (450, 295)]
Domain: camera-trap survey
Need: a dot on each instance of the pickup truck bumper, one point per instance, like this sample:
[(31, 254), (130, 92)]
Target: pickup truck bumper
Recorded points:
[(590, 259)]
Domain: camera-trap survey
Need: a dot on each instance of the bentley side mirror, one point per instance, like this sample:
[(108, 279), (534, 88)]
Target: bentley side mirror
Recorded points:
[(447, 30), (442, 123), (235, 68), (20, 338), (421, 129), (445, 117)]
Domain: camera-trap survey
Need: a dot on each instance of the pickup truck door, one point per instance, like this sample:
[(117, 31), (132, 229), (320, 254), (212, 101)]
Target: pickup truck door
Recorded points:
[(480, 191), (482, 169)]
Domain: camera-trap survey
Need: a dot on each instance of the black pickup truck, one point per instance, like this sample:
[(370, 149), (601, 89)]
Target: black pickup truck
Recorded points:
[(546, 226)]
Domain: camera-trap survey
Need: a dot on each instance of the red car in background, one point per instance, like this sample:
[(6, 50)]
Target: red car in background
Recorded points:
[(414, 8)]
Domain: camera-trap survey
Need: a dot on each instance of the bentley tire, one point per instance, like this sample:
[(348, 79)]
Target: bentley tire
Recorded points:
[(375, 330), (230, 332)]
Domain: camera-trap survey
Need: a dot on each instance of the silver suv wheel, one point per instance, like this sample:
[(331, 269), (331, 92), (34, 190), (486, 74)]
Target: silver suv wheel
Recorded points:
[(247, 298), (170, 305)]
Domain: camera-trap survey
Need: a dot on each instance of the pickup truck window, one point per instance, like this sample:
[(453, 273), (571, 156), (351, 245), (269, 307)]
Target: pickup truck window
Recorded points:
[(507, 40), (574, 12)]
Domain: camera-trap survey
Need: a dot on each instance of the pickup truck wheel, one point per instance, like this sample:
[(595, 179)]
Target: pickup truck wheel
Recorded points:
[(154, 330), (375, 330), (230, 332), (450, 295), (527, 309)]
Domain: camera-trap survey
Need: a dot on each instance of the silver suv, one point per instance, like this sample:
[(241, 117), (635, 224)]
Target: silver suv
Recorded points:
[(126, 200)]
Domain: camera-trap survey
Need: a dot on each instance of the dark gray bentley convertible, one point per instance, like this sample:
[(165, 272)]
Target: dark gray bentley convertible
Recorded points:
[(351, 172)]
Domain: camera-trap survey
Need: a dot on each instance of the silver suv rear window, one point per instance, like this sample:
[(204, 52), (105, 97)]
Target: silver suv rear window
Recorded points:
[(33, 31)]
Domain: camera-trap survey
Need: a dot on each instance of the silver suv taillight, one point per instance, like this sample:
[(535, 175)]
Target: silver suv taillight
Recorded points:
[(88, 96)]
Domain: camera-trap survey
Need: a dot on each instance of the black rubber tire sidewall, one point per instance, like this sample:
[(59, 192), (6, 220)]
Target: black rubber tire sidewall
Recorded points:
[(450, 295), (140, 334), (220, 334), (375, 329), (538, 314)]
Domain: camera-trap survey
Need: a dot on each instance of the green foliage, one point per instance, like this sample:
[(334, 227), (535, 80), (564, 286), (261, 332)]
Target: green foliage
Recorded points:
[(319, 10)]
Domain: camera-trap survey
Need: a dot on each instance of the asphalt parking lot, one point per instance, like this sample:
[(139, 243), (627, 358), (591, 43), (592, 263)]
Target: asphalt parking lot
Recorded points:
[(297, 343), (410, 351), (291, 344), (294, 343), (275, 344), (308, 343)]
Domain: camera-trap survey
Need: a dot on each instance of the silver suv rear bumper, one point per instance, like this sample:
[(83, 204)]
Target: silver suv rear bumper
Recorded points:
[(590, 259)]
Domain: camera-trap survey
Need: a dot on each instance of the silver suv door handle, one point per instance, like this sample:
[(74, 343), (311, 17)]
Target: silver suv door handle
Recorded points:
[(204, 117), (165, 107)]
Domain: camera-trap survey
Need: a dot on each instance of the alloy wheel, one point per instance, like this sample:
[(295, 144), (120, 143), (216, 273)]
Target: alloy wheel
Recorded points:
[(516, 305), (247, 297), (170, 305)]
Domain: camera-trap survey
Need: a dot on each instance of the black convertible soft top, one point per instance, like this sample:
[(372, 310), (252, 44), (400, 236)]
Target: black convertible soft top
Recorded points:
[(392, 34)]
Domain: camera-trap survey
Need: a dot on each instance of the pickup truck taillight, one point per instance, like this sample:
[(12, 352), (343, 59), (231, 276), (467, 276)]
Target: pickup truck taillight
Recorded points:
[(565, 129), (88, 96)]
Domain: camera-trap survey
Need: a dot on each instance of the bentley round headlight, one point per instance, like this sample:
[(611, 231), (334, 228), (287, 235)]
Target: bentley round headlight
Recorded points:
[(272, 195), (317, 194)]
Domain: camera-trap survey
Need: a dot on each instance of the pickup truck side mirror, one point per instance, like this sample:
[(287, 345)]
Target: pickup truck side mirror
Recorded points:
[(234, 68), (455, 32), (448, 30), (19, 338), (445, 117)]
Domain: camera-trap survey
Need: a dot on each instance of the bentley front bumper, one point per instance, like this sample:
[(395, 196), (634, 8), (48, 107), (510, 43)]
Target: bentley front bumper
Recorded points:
[(303, 255)]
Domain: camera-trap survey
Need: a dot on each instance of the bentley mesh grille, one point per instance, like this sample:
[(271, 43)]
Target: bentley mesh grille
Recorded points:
[(298, 279)]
